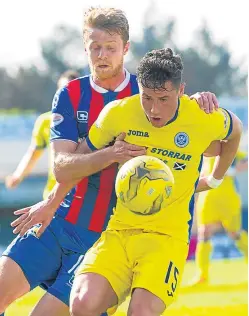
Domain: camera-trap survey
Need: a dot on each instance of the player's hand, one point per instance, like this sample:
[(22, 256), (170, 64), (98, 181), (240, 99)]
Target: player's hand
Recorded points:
[(206, 100), (123, 151), (39, 213), (12, 181)]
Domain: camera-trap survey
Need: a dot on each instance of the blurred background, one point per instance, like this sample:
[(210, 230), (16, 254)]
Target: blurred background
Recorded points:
[(41, 40)]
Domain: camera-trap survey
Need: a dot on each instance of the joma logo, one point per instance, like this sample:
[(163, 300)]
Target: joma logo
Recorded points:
[(138, 133)]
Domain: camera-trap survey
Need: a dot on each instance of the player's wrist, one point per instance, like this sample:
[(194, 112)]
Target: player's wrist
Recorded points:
[(110, 154), (213, 183)]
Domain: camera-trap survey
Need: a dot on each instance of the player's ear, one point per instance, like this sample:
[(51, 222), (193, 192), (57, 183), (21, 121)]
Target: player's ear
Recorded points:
[(181, 89), (126, 47)]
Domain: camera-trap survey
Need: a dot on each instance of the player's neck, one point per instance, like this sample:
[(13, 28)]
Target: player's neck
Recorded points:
[(111, 83)]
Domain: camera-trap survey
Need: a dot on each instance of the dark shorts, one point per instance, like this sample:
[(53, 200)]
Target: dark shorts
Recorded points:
[(51, 260)]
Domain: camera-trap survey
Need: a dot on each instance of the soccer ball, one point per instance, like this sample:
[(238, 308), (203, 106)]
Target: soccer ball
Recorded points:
[(143, 184)]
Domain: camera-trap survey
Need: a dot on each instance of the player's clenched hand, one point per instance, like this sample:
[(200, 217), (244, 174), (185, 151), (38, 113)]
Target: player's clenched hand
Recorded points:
[(123, 151), (12, 181), (40, 213), (206, 100)]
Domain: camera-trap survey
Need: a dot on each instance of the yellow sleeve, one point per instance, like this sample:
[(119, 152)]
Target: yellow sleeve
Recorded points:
[(220, 124), (38, 140), (106, 127)]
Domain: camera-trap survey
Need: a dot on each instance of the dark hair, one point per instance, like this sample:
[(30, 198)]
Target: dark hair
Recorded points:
[(70, 75), (108, 19), (159, 66)]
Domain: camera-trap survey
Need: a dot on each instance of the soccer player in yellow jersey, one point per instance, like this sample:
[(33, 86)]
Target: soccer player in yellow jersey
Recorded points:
[(145, 255), (39, 141), (106, 39), (219, 207)]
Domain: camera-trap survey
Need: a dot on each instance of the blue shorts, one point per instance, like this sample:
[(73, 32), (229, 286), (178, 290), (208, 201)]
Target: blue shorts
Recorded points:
[(51, 260)]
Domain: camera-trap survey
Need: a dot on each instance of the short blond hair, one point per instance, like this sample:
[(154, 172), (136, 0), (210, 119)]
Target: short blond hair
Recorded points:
[(108, 19)]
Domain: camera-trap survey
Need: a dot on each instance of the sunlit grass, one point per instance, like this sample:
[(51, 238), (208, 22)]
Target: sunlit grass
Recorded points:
[(226, 295)]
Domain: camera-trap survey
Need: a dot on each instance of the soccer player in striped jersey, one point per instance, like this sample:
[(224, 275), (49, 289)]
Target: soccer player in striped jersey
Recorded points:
[(49, 260)]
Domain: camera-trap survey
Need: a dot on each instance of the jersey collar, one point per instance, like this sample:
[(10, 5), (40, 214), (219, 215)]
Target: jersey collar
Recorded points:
[(118, 89), (176, 114)]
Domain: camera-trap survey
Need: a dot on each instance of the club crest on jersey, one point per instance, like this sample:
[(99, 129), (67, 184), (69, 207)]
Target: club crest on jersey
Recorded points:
[(56, 119), (181, 139), (82, 116)]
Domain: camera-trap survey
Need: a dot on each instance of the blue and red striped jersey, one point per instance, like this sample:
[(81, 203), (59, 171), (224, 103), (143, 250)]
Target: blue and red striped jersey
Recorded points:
[(75, 108)]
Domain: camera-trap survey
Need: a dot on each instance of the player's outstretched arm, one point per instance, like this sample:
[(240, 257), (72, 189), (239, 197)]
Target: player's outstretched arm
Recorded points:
[(32, 155), (229, 149), (24, 167)]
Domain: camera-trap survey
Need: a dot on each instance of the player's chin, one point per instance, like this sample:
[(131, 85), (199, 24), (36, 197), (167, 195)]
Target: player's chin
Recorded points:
[(157, 122), (104, 74)]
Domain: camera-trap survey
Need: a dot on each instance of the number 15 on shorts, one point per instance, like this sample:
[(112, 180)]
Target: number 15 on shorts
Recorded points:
[(172, 272)]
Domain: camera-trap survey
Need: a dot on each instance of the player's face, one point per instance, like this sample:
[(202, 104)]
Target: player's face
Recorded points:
[(160, 106), (105, 53)]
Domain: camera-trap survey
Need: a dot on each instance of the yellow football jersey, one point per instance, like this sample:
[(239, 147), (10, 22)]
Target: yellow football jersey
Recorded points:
[(180, 144), (40, 140)]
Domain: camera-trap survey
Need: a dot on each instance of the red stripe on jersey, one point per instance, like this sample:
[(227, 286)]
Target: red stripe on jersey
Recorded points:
[(100, 211), (74, 92), (125, 93), (96, 105), (78, 199), (107, 177)]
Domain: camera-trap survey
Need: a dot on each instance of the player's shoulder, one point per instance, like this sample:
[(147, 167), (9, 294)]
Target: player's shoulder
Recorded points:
[(133, 77), (130, 101), (128, 105), (75, 85), (124, 103), (119, 108), (71, 91), (191, 108), (190, 105), (81, 79), (190, 111)]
